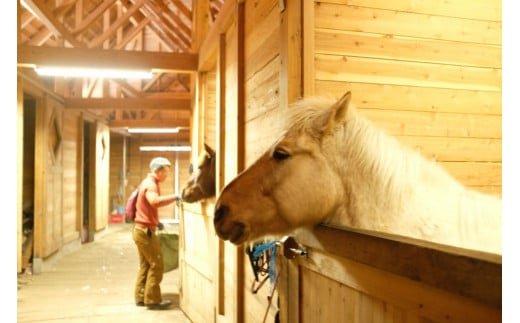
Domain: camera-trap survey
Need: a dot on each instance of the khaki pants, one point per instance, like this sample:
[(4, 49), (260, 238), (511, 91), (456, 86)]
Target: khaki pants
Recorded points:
[(147, 286)]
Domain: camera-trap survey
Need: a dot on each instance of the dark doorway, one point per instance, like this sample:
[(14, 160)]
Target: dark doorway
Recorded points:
[(86, 235), (29, 124)]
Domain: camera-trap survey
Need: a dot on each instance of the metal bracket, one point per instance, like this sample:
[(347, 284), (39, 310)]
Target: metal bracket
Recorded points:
[(290, 248)]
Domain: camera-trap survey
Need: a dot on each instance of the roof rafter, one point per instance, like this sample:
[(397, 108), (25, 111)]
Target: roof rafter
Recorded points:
[(45, 14)]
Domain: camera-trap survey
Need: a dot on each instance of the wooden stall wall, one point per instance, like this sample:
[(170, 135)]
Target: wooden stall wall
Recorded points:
[(53, 177), (263, 65), (72, 203), (198, 243), (245, 86), (430, 74)]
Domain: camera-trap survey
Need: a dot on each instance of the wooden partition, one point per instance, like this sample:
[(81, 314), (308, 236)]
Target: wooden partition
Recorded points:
[(427, 73), (54, 156), (198, 240)]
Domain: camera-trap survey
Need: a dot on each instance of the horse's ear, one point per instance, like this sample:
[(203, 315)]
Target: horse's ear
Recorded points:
[(209, 149), (341, 107), (337, 113)]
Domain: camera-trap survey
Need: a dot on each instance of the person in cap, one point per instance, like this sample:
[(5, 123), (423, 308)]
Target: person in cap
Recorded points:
[(149, 277)]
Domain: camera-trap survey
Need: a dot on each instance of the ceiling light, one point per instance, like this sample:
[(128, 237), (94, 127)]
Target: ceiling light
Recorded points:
[(153, 130), (165, 148), (93, 72)]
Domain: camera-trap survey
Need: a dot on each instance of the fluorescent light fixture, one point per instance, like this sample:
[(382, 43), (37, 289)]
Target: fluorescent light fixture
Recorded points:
[(165, 148), (93, 72), (153, 130)]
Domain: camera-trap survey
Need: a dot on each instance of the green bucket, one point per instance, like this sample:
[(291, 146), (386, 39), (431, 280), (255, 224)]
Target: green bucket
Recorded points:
[(170, 249)]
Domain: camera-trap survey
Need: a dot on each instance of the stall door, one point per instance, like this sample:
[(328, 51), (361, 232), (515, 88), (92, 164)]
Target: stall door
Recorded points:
[(48, 177)]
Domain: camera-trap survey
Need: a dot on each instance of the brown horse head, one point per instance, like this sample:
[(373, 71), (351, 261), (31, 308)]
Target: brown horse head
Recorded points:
[(201, 184)]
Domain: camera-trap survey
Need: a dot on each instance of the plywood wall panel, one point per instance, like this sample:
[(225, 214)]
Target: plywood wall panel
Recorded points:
[(370, 70), (71, 146), (384, 46), (399, 23), (412, 98), (435, 124), (428, 73), (210, 90), (263, 91), (480, 9), (372, 295), (262, 42), (456, 149), (476, 173)]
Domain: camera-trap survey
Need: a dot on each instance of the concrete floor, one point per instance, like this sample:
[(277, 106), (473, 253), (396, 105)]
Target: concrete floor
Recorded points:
[(94, 284)]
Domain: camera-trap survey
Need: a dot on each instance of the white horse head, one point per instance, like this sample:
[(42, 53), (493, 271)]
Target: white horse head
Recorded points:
[(332, 165)]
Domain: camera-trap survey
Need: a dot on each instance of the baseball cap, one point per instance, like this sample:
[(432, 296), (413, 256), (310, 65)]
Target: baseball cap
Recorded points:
[(159, 162)]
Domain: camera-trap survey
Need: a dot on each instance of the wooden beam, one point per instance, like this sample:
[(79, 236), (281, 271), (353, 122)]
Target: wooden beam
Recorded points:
[(46, 16), (115, 25), (150, 124), (129, 35), (83, 57), (105, 5), (128, 104), (208, 48)]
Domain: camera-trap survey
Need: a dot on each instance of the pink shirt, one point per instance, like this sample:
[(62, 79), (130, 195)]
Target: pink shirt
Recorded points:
[(147, 215)]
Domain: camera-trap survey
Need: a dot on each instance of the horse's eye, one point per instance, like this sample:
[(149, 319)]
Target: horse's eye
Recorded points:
[(280, 154)]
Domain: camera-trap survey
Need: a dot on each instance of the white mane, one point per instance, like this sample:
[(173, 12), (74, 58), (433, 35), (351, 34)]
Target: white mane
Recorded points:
[(393, 189)]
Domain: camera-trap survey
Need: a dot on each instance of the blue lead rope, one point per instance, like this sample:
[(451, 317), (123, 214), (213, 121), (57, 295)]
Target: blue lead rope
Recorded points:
[(260, 249)]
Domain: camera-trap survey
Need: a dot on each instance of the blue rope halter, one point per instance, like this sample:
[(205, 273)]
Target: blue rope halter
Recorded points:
[(264, 247)]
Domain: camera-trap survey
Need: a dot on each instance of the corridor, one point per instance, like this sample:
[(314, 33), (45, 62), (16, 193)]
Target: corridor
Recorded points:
[(94, 284)]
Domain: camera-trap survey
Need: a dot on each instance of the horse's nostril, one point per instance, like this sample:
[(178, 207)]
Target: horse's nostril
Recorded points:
[(220, 213)]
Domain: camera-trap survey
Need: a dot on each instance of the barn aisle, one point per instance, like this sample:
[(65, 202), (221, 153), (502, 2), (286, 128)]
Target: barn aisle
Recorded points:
[(94, 284)]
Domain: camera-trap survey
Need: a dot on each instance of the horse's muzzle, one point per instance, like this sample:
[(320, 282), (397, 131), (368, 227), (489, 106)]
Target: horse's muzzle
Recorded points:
[(235, 232), (220, 213)]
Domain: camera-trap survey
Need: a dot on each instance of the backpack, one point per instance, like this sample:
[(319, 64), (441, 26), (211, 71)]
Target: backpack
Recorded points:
[(131, 205)]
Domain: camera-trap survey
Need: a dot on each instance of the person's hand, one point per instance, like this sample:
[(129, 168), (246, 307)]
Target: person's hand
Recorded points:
[(178, 200)]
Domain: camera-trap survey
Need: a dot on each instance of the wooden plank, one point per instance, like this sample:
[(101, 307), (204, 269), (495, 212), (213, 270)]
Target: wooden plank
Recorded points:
[(291, 56), (240, 286), (100, 58), (435, 124), (369, 70), (262, 43), (480, 9), (397, 23), (412, 98), (456, 149), (209, 48), (308, 48), (385, 46), (476, 173), (263, 90), (22, 146), (464, 275), (129, 104), (220, 180), (200, 23)]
